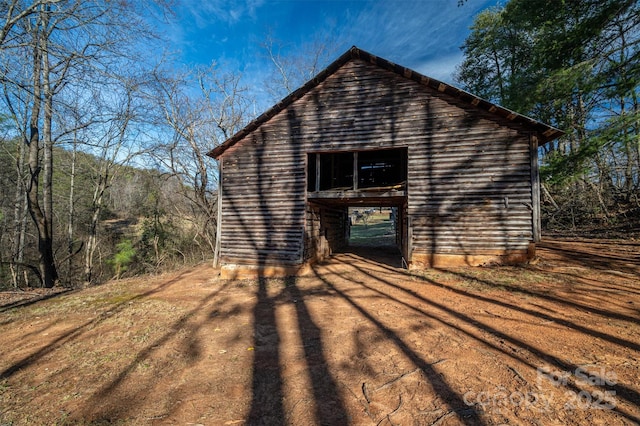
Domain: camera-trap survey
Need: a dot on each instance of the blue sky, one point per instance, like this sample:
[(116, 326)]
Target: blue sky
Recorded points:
[(423, 35)]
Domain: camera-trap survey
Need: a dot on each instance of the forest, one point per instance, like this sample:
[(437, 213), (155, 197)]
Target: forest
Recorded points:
[(574, 65), (103, 166)]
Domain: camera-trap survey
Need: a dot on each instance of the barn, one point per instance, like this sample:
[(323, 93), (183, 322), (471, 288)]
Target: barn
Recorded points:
[(461, 172)]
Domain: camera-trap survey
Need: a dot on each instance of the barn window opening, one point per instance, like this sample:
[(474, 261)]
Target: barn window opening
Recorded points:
[(384, 169), (336, 171)]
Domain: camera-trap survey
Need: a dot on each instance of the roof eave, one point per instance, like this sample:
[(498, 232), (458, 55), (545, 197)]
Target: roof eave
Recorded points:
[(285, 102), (546, 133)]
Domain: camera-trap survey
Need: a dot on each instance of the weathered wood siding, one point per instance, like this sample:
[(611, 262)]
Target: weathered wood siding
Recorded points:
[(313, 236), (325, 232), (470, 193), (469, 188)]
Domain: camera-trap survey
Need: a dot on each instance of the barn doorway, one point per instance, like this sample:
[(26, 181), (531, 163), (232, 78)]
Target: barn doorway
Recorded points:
[(375, 234), (357, 202), (372, 227)]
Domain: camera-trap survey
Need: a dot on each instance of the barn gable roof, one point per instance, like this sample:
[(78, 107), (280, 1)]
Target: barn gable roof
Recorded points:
[(547, 133)]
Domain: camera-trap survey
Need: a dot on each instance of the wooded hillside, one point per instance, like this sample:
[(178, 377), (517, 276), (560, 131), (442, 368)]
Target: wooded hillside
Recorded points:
[(143, 222), (103, 164)]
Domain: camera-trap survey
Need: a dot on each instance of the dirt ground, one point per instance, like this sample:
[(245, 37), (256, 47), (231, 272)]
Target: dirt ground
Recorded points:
[(358, 342)]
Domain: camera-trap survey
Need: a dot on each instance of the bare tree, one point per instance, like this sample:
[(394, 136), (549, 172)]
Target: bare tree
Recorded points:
[(114, 147), (16, 11), (69, 47), (294, 68), (196, 122), (19, 219)]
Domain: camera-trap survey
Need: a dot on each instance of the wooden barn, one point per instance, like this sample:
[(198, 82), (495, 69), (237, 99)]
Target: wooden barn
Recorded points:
[(461, 172)]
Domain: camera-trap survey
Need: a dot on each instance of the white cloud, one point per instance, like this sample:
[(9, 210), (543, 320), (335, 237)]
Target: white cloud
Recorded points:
[(441, 68), (206, 13), (423, 35)]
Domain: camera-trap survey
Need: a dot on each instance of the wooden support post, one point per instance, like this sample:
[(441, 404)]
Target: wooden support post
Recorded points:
[(216, 252), (355, 171), (409, 225), (317, 172), (535, 188)]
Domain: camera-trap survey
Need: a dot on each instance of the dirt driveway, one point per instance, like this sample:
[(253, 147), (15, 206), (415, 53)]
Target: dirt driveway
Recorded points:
[(358, 342)]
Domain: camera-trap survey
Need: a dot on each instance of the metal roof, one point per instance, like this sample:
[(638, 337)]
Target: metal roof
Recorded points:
[(546, 132)]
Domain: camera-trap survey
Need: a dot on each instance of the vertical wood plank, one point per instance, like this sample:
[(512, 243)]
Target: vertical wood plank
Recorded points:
[(317, 172), (216, 254), (355, 170), (535, 188)]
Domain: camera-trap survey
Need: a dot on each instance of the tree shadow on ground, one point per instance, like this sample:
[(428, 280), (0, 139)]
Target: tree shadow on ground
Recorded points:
[(27, 300), (391, 311), (484, 332), (76, 332), (388, 255)]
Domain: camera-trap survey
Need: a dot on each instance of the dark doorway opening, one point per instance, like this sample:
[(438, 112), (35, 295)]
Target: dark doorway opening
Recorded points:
[(357, 203), (375, 228), (375, 234)]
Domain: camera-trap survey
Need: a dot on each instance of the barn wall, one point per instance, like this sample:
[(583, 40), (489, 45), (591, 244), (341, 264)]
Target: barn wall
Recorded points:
[(314, 241), (334, 223), (470, 193), (263, 203), (326, 231), (469, 177)]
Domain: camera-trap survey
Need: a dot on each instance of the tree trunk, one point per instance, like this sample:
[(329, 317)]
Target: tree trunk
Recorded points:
[(47, 142), (71, 212), (90, 249), (48, 271), (19, 215), (96, 205)]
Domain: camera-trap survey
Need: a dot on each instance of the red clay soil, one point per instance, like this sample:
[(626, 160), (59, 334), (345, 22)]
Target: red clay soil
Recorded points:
[(358, 342)]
